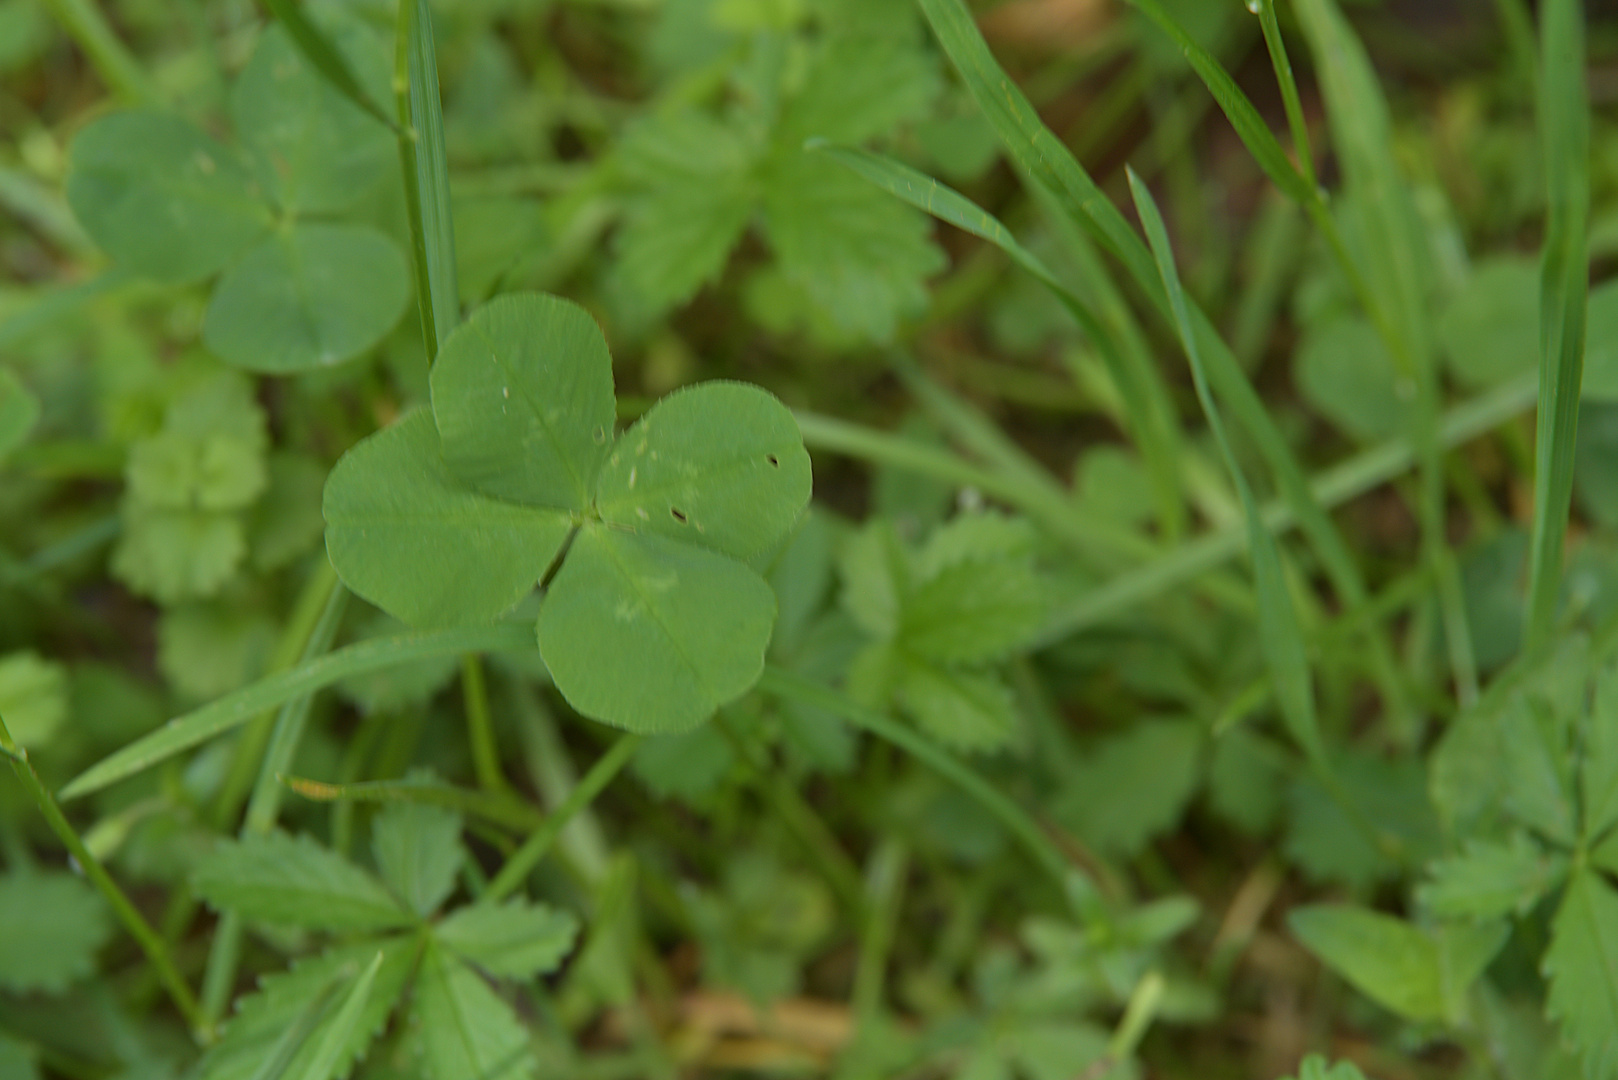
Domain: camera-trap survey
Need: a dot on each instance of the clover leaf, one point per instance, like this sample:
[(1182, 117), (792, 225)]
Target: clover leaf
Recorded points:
[(171, 203), (453, 515)]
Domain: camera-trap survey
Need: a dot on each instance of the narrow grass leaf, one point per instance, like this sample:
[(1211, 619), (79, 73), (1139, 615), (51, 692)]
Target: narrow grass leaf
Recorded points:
[(1280, 636), (324, 56), (1250, 126), (501, 810), (1564, 294), (1149, 415), (426, 174), (231, 711), (1289, 91)]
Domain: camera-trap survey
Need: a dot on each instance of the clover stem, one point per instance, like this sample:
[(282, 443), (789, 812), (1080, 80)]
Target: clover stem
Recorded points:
[(534, 849), (147, 938), (480, 726)]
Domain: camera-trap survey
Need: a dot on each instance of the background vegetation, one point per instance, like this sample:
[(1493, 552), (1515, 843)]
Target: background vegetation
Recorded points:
[(1198, 652)]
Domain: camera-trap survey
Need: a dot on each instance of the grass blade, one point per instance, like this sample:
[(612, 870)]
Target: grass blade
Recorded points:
[(1150, 417), (504, 810), (426, 175), (1393, 279), (1238, 109), (1564, 110), (324, 56), (1279, 60), (1043, 156), (1280, 636), (341, 1032), (234, 709)]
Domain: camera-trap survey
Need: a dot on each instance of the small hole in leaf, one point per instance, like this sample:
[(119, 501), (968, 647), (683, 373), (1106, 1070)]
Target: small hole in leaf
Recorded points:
[(773, 460), (679, 515), (599, 435)]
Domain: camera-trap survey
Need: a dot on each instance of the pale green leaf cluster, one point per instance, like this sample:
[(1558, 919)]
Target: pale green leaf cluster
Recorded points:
[(167, 201), (325, 1012), (847, 263), (189, 488), (453, 515), (941, 618), (33, 697)]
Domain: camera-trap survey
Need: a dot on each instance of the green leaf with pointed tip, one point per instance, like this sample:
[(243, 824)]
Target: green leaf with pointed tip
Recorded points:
[(333, 1043), (19, 412), (516, 940), (317, 151), (418, 850), (1387, 959), (1490, 879), (263, 1018), (522, 394), (51, 925), (467, 1032), (292, 881), (404, 535), (309, 297), (1599, 764), (720, 465), (1582, 966), (973, 612), (652, 635), (162, 198), (969, 710)]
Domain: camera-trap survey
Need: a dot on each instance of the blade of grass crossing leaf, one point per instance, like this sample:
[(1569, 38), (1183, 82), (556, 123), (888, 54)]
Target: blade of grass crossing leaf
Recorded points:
[(1150, 418), (236, 708), (1282, 63), (274, 1065), (324, 56), (500, 809), (1565, 120), (224, 954), (1280, 636), (426, 174), (1250, 126), (341, 1032)]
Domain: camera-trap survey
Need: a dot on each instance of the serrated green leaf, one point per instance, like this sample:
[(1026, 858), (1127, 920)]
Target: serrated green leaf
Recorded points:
[(720, 465), (262, 1018), (307, 297), (1582, 967), (874, 572), (516, 940), (1344, 371), (162, 198), (522, 395), (695, 623), (19, 412), (33, 697), (1490, 329), (1328, 845), (292, 881), (858, 88), (1387, 959), (1247, 780), (1465, 951), (1540, 782), (467, 1032), (979, 537), (179, 472), (1134, 786), (51, 925), (175, 555), (1490, 879), (418, 850), (1599, 763), (317, 151), (331, 1045), (968, 710), (860, 259), (973, 612), (697, 198), (405, 535)]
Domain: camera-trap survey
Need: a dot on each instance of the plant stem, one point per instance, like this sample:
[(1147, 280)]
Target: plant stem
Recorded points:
[(110, 57), (885, 879), (148, 939), (804, 824), (522, 863), (793, 687), (480, 726)]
